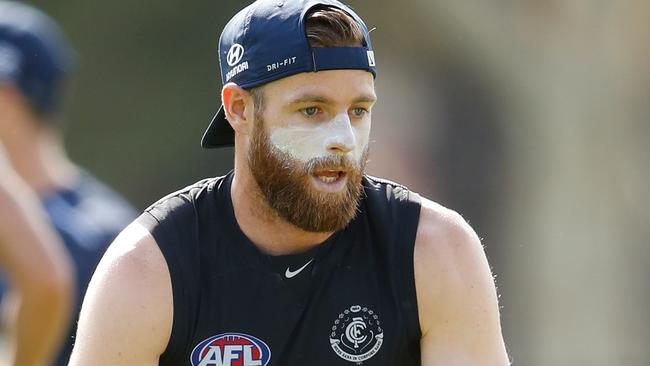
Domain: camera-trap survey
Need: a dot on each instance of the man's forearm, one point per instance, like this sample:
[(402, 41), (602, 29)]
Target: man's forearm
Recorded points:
[(39, 272), (40, 320)]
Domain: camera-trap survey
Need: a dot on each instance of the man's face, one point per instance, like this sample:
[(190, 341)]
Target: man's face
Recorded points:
[(309, 146)]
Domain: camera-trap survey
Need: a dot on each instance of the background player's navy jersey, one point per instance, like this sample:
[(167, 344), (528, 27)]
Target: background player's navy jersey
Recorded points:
[(350, 300), (87, 217)]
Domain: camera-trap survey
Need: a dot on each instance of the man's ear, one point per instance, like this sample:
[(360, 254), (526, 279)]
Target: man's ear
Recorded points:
[(239, 108)]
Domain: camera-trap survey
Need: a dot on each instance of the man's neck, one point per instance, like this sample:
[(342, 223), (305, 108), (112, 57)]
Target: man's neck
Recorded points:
[(262, 225), (41, 162)]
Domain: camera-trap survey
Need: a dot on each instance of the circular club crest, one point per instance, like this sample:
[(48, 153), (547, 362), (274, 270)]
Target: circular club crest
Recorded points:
[(357, 334)]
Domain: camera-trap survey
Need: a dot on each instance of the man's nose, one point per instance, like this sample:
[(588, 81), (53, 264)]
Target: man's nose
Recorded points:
[(341, 138)]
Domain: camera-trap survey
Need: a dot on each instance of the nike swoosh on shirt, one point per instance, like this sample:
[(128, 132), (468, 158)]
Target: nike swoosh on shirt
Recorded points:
[(289, 273)]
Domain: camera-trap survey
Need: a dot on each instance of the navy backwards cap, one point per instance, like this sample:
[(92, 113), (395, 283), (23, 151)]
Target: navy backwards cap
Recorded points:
[(34, 55), (267, 41)]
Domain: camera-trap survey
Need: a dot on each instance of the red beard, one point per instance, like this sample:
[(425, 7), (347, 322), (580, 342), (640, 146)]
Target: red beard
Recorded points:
[(285, 184)]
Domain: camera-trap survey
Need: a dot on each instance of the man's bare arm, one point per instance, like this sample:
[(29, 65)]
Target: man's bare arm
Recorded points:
[(126, 317), (39, 271), (457, 300)]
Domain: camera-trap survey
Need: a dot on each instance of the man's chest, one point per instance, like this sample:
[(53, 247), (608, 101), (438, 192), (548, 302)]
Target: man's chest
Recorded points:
[(326, 315)]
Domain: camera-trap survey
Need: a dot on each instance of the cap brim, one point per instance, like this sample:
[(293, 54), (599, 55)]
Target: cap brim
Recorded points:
[(219, 132)]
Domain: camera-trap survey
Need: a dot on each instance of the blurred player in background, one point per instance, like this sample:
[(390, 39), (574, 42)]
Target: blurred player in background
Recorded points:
[(297, 257), (40, 274), (35, 62)]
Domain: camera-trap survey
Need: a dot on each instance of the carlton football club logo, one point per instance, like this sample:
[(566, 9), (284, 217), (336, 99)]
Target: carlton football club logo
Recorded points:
[(231, 349), (357, 334)]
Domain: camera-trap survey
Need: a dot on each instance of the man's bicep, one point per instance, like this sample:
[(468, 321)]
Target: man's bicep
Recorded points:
[(457, 297), (127, 312)]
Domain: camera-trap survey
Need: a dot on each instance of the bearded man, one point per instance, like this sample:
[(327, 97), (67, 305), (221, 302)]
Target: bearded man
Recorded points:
[(296, 257)]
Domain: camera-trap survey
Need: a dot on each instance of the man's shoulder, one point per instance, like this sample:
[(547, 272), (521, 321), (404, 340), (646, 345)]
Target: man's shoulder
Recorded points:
[(185, 198), (444, 233), (448, 258), (88, 211), (133, 286), (379, 182), (437, 223), (455, 290), (386, 190)]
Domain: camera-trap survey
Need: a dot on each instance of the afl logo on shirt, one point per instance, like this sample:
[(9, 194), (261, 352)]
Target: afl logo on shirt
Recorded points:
[(357, 334), (231, 349)]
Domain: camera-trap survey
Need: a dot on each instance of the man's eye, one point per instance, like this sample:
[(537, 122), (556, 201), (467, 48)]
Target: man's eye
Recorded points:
[(310, 111), (359, 112)]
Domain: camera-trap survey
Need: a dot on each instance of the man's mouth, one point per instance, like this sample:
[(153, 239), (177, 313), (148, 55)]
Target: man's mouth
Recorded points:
[(330, 180), (329, 176)]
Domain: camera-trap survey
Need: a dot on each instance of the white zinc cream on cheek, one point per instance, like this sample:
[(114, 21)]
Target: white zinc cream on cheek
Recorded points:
[(305, 142)]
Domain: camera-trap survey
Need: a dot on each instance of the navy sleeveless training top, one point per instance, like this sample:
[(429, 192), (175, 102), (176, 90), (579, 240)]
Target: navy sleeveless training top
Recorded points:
[(349, 300)]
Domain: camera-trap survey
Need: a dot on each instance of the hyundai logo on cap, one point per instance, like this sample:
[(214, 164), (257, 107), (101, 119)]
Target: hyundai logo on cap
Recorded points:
[(267, 41), (235, 54)]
